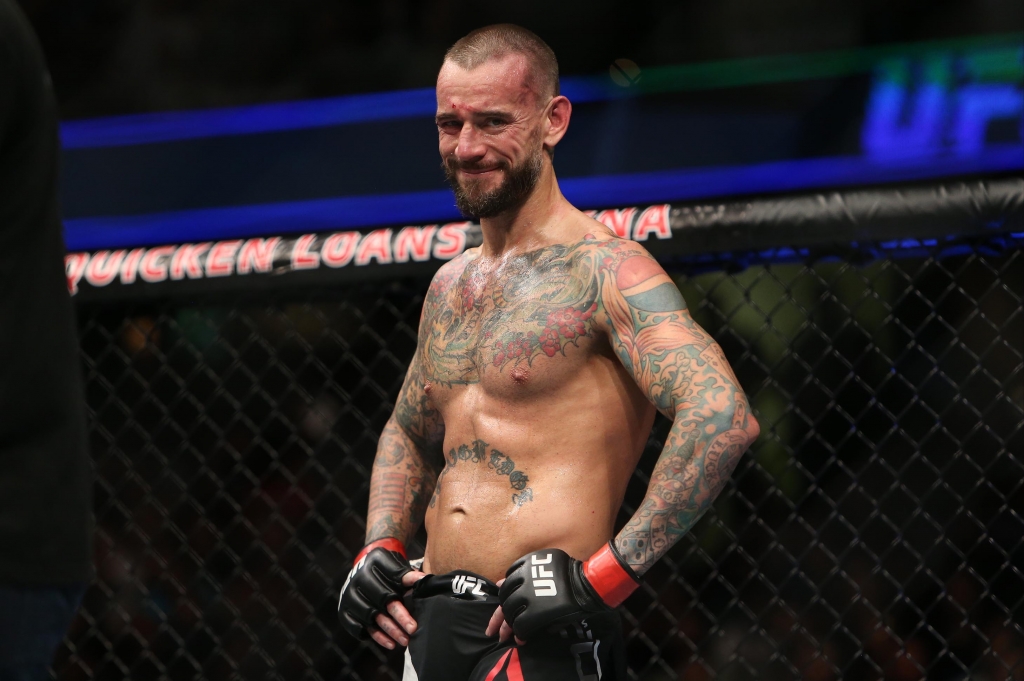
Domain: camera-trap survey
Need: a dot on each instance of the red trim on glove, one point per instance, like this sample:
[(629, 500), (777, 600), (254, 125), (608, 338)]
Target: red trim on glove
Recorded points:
[(610, 575), (389, 543)]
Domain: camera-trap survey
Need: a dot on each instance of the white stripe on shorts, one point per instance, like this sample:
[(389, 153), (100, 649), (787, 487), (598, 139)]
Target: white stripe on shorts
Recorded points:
[(410, 673)]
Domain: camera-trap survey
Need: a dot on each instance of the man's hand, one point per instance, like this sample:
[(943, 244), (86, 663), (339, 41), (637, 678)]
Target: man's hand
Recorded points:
[(498, 625), (550, 587), (370, 601)]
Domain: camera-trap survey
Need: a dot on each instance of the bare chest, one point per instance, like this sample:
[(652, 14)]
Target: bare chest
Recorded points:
[(514, 332)]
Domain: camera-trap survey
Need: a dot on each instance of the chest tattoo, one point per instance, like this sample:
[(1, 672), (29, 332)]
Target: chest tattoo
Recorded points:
[(534, 306)]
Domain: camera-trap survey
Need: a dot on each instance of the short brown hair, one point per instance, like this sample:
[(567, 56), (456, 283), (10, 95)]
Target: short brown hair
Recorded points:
[(498, 40)]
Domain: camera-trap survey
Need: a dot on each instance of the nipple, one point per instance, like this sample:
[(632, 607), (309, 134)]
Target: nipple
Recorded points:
[(519, 375), (427, 387)]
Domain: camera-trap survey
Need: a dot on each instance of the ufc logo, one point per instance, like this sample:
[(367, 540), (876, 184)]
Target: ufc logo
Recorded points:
[(543, 585), (463, 583)]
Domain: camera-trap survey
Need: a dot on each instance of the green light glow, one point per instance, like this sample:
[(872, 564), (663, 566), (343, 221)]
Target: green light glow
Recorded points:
[(986, 58)]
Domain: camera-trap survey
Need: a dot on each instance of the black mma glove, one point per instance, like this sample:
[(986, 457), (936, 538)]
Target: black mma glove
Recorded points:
[(375, 581), (550, 587)]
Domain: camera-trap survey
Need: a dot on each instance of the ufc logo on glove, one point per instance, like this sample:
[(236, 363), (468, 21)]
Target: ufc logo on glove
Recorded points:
[(543, 584)]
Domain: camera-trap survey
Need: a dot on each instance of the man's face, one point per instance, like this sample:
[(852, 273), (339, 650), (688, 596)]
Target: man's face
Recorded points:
[(489, 134)]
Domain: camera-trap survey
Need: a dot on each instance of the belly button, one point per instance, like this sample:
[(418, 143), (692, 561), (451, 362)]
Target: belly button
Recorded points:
[(519, 375)]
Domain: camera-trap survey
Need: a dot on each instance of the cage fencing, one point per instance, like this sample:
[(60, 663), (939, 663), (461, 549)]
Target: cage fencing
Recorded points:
[(874, 531)]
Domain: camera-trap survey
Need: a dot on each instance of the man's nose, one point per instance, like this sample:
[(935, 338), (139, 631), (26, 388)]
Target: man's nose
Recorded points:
[(470, 144)]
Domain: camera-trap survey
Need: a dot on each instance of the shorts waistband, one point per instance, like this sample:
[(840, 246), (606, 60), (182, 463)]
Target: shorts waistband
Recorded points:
[(460, 584)]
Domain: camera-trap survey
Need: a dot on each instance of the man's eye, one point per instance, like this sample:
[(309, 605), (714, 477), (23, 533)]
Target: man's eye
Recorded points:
[(495, 122)]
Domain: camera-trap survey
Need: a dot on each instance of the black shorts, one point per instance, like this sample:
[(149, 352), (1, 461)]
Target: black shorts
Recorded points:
[(452, 611)]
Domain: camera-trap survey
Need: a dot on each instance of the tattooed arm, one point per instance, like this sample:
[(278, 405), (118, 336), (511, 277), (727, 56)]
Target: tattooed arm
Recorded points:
[(409, 452), (402, 480), (684, 373), (404, 470)]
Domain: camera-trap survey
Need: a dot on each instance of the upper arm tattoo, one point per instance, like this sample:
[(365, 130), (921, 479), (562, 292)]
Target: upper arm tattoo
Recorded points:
[(415, 413), (675, 362)]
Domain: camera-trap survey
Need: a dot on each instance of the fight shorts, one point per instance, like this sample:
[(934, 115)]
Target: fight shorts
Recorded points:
[(452, 612)]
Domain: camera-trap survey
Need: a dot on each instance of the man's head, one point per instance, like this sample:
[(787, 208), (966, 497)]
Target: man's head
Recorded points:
[(499, 116)]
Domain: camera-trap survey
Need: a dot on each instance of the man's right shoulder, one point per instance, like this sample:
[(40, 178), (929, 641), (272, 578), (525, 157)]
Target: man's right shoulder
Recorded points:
[(449, 273)]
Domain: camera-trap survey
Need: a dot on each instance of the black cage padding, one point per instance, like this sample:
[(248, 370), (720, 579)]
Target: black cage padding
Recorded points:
[(977, 207), (723, 231)]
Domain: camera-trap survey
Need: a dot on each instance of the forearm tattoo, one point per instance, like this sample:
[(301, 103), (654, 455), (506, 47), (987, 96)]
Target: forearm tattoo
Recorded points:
[(403, 475)]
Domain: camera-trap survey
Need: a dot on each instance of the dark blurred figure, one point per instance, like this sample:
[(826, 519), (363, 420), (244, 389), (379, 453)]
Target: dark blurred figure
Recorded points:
[(45, 473)]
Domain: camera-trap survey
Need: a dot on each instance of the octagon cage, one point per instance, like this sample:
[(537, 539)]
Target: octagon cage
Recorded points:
[(874, 530)]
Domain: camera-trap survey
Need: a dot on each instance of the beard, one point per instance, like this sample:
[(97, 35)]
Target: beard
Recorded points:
[(516, 186)]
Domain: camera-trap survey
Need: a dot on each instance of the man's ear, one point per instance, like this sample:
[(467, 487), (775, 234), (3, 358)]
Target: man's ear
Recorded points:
[(556, 120)]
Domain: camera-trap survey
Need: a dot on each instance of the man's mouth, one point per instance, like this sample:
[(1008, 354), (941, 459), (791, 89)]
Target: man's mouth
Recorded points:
[(477, 171)]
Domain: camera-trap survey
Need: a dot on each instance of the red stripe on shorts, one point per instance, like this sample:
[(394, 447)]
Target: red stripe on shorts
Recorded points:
[(498, 665), (514, 671)]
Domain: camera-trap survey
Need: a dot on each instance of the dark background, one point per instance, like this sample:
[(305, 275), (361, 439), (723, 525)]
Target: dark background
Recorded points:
[(113, 57), (130, 56)]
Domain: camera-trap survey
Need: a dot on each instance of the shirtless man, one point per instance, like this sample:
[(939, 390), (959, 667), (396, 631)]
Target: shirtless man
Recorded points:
[(542, 357)]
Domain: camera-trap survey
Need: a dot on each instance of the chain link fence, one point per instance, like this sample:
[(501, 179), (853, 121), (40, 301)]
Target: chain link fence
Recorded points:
[(874, 531)]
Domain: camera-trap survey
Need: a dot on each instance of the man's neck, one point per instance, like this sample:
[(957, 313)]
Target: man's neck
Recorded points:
[(532, 225)]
